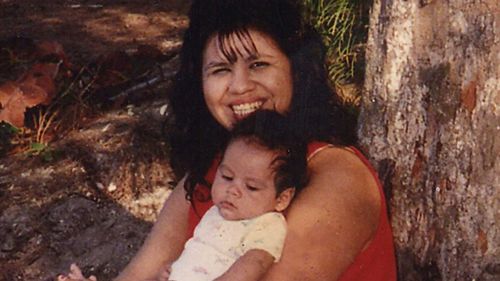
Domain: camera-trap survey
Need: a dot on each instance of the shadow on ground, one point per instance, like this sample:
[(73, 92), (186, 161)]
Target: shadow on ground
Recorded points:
[(86, 28), (94, 201), (93, 204)]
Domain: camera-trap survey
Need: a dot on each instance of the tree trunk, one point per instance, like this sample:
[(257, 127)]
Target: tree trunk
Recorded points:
[(430, 123)]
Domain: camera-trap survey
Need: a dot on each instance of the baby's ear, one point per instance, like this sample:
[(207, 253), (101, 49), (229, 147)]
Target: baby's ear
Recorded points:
[(284, 199)]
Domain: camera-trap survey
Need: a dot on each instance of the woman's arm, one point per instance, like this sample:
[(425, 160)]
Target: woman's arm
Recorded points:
[(249, 267), (331, 220), (164, 243)]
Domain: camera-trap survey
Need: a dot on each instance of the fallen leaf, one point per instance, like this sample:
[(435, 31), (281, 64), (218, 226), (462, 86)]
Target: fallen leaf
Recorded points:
[(33, 94), (52, 48), (40, 77), (13, 107), (35, 87), (5, 92), (43, 69)]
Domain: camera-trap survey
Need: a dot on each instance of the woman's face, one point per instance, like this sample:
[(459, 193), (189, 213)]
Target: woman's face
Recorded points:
[(257, 79)]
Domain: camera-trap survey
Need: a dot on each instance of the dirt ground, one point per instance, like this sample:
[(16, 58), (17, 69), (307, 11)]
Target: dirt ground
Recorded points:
[(94, 202), (87, 28)]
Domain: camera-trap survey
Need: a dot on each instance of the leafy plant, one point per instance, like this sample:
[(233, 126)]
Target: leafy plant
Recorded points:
[(29, 99), (342, 24), (7, 131), (42, 150)]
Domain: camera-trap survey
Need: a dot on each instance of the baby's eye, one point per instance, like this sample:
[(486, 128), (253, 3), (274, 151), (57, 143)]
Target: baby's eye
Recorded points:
[(252, 188), (227, 178)]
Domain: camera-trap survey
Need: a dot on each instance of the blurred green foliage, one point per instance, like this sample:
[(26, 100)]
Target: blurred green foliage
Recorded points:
[(343, 26), (7, 131)]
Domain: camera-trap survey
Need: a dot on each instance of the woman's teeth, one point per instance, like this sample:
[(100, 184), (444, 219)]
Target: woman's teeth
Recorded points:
[(246, 108)]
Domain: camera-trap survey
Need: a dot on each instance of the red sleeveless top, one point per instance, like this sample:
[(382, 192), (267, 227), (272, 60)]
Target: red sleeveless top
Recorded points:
[(375, 263)]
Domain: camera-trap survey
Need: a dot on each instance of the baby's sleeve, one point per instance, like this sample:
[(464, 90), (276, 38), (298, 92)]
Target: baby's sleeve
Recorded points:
[(267, 233)]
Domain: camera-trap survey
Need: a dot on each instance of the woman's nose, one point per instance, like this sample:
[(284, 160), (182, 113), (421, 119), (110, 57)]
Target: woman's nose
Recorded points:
[(241, 81)]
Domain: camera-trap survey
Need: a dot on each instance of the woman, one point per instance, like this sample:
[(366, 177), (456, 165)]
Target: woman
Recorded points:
[(240, 56)]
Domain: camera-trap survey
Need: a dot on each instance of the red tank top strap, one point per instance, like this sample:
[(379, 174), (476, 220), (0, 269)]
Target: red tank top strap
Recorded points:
[(374, 173), (315, 147), (201, 198)]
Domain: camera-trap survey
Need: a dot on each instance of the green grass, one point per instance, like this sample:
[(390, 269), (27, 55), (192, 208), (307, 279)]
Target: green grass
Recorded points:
[(342, 24)]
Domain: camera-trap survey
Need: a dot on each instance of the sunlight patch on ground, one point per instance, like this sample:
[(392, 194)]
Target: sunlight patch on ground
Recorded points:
[(148, 205), (135, 26)]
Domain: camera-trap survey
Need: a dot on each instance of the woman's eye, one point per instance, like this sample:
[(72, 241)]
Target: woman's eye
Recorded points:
[(258, 64), (220, 70)]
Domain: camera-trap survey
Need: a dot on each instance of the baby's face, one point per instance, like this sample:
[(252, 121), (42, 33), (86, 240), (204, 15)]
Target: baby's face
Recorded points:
[(244, 183)]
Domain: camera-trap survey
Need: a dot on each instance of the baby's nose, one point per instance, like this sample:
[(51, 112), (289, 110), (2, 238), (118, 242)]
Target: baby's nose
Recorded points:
[(234, 189)]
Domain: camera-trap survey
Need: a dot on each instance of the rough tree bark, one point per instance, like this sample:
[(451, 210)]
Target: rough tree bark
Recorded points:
[(430, 123)]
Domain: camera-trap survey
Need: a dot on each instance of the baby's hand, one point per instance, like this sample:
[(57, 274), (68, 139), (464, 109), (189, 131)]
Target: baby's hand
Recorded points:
[(75, 274), (165, 273)]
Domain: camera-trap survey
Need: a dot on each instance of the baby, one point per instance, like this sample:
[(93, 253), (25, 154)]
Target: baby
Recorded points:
[(262, 168)]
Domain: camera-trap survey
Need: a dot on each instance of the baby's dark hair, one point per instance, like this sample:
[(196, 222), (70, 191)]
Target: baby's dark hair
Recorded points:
[(271, 130)]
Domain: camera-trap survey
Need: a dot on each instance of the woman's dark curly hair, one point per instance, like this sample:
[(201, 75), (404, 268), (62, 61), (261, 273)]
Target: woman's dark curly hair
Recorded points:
[(316, 113), (272, 131)]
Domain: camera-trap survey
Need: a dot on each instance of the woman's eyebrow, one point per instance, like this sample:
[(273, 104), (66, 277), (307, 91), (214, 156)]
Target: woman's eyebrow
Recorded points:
[(214, 64), (253, 56)]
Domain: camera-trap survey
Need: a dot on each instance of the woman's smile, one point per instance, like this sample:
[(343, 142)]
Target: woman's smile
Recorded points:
[(244, 109), (257, 77)]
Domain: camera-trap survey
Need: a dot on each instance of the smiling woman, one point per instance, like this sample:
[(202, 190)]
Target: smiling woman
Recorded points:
[(236, 84)]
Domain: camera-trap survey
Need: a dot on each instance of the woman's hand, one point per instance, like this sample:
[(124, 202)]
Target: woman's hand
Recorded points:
[(164, 273), (75, 274)]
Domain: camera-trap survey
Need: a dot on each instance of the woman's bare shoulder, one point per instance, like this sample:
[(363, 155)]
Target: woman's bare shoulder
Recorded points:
[(331, 220), (342, 182)]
